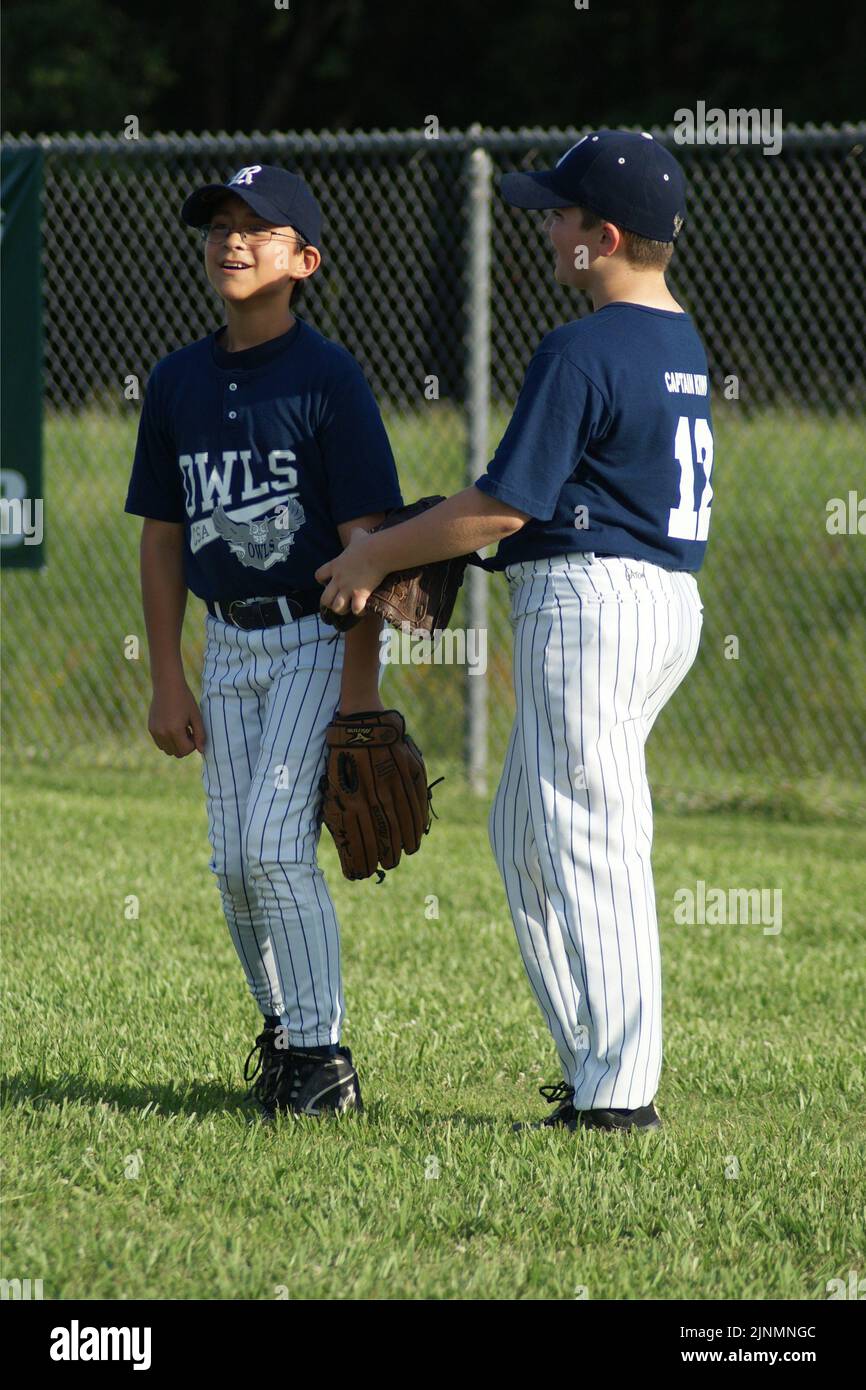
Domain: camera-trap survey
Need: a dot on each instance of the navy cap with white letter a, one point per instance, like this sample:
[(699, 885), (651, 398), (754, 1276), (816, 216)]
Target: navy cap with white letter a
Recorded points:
[(277, 195), (623, 177)]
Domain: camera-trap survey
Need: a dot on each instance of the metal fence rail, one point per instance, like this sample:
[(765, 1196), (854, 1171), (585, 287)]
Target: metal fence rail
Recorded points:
[(442, 292)]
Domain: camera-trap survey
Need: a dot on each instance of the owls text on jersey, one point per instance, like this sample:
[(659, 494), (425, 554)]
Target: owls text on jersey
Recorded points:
[(610, 447), (261, 454)]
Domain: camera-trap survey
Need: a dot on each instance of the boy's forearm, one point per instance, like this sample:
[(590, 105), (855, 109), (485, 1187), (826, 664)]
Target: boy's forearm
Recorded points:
[(468, 521), (163, 595), (359, 687)]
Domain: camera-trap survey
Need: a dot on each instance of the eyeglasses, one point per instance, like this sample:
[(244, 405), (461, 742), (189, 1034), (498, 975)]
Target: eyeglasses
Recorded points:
[(217, 232)]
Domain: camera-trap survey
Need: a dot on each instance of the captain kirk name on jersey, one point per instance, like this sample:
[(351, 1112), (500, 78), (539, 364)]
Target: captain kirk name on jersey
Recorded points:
[(610, 447), (261, 454)]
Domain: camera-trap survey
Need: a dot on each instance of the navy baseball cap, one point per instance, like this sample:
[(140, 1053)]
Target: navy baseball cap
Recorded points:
[(626, 178), (274, 194)]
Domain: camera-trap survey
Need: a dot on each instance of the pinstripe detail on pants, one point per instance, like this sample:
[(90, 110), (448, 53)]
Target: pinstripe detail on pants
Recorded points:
[(600, 645), (267, 697)]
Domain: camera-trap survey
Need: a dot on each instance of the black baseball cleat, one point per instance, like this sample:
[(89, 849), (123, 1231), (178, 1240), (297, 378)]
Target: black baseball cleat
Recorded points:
[(644, 1117), (316, 1085), (566, 1117), (302, 1083)]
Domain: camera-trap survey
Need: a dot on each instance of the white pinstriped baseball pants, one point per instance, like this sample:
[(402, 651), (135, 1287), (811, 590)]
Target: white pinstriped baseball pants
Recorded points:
[(267, 698), (600, 645)]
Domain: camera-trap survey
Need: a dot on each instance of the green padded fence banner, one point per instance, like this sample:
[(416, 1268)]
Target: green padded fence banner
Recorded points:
[(21, 519)]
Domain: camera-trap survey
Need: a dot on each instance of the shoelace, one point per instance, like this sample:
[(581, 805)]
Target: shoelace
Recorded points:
[(262, 1046), (268, 1069), (561, 1091)]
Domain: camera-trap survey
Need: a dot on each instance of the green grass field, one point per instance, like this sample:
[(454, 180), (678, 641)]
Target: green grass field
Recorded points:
[(132, 1170)]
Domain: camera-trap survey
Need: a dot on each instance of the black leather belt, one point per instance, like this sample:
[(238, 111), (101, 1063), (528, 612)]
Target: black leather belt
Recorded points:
[(273, 612)]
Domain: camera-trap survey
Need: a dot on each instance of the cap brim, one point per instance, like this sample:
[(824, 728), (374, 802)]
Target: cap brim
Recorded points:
[(199, 205), (533, 190)]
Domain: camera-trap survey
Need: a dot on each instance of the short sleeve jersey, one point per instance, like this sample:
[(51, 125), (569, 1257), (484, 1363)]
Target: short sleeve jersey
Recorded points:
[(261, 454), (610, 447)]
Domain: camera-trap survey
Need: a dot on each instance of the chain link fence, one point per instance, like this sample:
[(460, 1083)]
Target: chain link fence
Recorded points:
[(442, 291)]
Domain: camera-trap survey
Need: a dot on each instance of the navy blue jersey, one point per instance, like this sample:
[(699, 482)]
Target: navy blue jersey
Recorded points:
[(610, 447), (261, 454)]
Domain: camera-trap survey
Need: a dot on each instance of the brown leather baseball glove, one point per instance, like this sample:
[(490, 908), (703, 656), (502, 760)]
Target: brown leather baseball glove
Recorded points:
[(423, 597), (376, 801)]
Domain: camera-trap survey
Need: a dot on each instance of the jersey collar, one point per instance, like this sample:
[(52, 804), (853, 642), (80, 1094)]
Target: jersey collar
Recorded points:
[(251, 358)]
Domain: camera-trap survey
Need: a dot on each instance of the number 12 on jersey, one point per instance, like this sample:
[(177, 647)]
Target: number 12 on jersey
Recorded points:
[(684, 522)]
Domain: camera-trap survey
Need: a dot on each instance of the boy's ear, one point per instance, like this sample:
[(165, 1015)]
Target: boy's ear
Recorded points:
[(613, 239), (312, 258)]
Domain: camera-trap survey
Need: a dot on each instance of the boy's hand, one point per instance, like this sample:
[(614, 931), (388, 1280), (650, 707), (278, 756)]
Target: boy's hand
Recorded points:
[(351, 577), (175, 723)]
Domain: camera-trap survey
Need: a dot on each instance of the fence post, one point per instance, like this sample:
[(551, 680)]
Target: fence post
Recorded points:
[(478, 376)]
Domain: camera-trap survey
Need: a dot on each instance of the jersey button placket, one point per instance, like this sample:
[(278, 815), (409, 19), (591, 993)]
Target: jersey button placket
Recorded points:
[(232, 414)]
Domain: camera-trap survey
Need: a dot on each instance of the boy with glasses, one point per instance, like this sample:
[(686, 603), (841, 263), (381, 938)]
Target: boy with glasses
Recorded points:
[(260, 448)]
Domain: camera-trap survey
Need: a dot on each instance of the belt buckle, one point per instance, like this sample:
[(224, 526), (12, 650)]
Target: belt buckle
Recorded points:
[(235, 603)]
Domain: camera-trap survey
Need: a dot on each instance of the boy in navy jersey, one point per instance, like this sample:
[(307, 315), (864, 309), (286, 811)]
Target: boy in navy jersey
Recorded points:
[(599, 496), (260, 448)]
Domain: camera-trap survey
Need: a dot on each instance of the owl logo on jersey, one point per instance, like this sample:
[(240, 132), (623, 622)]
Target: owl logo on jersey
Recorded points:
[(264, 541)]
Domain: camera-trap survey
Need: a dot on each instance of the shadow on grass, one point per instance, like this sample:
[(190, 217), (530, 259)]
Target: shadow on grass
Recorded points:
[(35, 1089), (208, 1098)]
